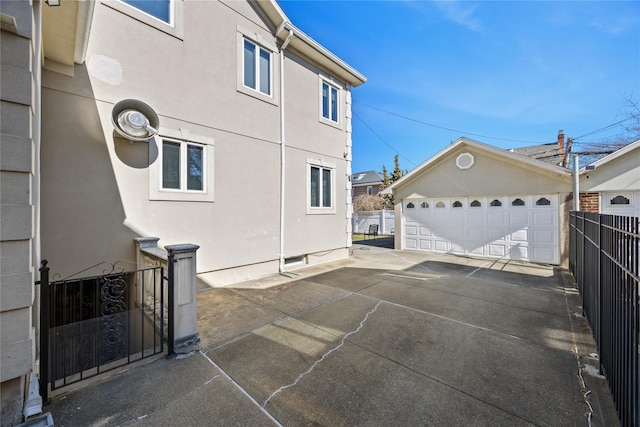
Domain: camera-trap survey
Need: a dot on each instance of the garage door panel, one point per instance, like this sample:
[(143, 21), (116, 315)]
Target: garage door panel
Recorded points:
[(543, 237), (497, 250), (476, 218), (476, 234), (496, 233), (411, 230), (425, 231), (426, 245), (456, 217), (519, 252), (544, 254), (544, 218), (411, 243), (440, 219), (441, 245), (519, 236), (518, 218), (496, 218)]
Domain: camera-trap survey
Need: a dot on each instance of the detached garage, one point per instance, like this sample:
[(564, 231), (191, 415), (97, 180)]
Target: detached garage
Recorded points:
[(478, 200)]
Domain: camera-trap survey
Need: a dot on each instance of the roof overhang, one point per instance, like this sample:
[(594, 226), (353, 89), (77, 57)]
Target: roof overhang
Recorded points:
[(65, 34), (308, 47)]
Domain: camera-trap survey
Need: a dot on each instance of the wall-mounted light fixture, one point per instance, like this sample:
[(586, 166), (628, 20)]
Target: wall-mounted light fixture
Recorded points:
[(53, 2)]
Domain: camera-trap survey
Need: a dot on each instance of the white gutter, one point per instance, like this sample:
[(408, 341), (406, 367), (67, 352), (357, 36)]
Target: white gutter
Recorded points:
[(282, 149)]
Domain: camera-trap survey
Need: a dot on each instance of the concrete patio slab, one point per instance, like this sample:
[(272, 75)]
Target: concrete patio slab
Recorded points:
[(384, 338)]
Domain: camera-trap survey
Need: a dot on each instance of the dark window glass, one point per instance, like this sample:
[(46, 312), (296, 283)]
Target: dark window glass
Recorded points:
[(170, 165), (476, 204), (495, 203), (194, 167), (543, 202), (315, 187), (619, 200)]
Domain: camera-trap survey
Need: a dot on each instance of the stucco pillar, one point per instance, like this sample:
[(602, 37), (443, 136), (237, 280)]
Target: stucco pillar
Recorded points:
[(183, 331)]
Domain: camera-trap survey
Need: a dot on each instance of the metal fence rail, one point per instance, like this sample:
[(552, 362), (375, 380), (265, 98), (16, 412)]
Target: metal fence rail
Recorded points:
[(603, 258)]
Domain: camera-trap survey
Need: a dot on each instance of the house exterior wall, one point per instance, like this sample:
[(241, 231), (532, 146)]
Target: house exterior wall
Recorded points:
[(18, 141), (590, 202), (96, 187)]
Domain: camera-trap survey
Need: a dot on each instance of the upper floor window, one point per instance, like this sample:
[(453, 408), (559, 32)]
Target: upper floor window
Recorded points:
[(256, 67), (159, 9), (369, 190), (330, 99)]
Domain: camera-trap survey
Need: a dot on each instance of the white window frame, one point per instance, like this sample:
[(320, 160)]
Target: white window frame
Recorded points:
[(268, 45), (325, 81), (322, 165), (258, 70), (174, 27), (182, 137)]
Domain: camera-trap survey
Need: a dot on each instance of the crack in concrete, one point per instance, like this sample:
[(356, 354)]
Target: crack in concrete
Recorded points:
[(324, 356)]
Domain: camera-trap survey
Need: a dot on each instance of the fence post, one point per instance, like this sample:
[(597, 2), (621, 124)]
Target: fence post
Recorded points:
[(44, 331), (183, 316)]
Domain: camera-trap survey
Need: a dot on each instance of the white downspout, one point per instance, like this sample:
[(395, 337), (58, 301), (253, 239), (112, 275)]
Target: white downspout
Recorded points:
[(282, 150)]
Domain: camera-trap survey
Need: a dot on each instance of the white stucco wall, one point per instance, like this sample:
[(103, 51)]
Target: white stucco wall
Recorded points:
[(96, 199)]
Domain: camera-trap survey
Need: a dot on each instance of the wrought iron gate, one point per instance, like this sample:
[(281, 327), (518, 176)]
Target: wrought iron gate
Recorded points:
[(95, 324)]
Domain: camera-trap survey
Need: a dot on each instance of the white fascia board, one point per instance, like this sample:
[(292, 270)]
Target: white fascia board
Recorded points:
[(609, 157)]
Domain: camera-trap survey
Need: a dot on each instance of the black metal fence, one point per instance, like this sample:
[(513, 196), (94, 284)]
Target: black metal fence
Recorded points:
[(95, 324), (603, 257)]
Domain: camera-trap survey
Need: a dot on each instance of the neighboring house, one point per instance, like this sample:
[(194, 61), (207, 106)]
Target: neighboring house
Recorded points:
[(475, 199), (242, 97), (368, 182), (611, 185), (554, 153)]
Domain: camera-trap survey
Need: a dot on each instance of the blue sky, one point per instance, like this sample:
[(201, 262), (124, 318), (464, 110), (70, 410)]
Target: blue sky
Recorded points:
[(507, 73)]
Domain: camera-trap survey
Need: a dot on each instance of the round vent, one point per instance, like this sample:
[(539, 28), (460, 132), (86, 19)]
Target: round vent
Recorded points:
[(465, 160)]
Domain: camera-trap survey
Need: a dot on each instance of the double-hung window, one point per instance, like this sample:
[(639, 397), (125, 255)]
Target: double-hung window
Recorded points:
[(320, 188), (330, 102), (256, 67), (183, 166)]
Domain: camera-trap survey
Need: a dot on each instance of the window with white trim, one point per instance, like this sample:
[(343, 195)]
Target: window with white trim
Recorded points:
[(159, 9), (330, 98), (181, 169), (320, 187), (256, 67), (183, 166), (163, 15)]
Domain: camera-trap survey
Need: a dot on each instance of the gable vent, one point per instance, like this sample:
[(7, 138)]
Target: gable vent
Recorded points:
[(465, 161)]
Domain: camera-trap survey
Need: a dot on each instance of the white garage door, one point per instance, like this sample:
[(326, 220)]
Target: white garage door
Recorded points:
[(624, 203), (519, 228)]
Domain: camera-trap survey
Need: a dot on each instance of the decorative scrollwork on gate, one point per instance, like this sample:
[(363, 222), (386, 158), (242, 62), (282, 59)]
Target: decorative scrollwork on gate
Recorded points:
[(113, 309)]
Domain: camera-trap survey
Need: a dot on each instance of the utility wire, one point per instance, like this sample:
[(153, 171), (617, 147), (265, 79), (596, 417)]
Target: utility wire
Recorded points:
[(382, 139), (603, 128), (446, 128)]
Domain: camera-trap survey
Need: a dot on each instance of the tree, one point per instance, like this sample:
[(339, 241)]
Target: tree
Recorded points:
[(369, 202), (388, 180)]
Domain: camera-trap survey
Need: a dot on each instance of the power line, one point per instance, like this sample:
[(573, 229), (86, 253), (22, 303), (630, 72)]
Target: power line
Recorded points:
[(603, 128), (382, 139), (446, 128)]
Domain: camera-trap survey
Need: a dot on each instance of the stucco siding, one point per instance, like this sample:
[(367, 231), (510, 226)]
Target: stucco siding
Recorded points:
[(622, 173), (488, 176), (97, 188)]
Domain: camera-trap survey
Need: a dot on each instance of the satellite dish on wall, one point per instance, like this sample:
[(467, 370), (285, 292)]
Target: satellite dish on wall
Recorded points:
[(134, 120)]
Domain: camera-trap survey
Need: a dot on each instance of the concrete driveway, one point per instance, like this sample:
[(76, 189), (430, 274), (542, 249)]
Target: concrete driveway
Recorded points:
[(384, 338)]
